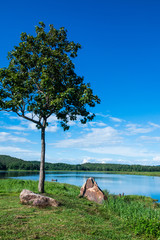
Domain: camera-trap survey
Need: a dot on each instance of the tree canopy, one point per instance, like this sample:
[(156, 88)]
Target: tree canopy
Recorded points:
[(41, 80)]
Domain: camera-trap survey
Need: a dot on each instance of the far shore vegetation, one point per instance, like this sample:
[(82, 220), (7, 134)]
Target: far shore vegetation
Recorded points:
[(14, 164)]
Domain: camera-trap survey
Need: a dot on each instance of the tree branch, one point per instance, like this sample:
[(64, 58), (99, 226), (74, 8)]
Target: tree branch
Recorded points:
[(30, 119)]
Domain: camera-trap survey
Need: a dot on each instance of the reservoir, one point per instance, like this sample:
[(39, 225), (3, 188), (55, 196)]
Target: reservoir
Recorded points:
[(113, 183)]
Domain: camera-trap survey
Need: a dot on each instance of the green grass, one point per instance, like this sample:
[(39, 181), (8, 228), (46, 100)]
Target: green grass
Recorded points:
[(125, 218)]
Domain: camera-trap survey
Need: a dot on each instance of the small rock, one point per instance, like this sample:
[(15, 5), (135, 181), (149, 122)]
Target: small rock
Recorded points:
[(92, 192), (28, 197)]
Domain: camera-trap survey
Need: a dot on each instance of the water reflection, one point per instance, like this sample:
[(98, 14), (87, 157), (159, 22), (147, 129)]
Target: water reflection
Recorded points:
[(114, 183), (16, 174)]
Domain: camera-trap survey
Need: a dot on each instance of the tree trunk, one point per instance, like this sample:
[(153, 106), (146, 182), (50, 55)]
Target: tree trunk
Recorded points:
[(42, 165)]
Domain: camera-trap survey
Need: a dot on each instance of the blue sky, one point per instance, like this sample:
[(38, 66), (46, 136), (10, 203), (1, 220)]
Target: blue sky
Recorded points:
[(120, 57)]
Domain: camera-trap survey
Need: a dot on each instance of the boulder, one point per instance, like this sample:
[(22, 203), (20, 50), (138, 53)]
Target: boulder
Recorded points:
[(28, 197), (92, 192)]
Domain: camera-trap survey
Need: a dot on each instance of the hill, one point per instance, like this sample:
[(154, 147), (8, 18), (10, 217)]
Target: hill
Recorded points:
[(12, 163), (7, 161)]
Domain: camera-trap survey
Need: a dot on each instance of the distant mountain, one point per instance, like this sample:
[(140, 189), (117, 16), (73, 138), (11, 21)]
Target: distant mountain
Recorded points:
[(12, 163)]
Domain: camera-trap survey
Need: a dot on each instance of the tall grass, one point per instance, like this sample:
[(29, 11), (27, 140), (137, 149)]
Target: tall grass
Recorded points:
[(139, 213), (16, 186)]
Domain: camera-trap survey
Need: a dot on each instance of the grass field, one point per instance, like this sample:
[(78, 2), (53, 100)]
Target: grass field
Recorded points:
[(128, 217)]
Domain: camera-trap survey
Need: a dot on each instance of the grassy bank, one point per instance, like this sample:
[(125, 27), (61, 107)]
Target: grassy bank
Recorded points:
[(128, 217), (153, 174)]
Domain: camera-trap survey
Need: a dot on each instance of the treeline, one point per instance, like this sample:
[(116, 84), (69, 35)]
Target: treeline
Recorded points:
[(11, 163)]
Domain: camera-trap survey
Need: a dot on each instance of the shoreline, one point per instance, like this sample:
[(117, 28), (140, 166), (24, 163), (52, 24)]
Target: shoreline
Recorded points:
[(153, 174)]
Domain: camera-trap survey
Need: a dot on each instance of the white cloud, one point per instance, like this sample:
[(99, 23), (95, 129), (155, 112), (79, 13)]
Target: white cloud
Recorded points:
[(154, 125), (3, 136), (52, 128), (121, 142), (96, 160), (8, 137), (18, 128), (87, 159), (114, 119), (136, 129), (97, 136), (149, 138), (24, 154), (13, 149), (98, 124), (21, 133), (5, 113), (14, 118), (102, 115), (52, 119), (31, 126), (156, 158), (130, 161), (120, 151)]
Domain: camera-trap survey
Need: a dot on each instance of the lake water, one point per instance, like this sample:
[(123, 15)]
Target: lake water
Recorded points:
[(114, 183)]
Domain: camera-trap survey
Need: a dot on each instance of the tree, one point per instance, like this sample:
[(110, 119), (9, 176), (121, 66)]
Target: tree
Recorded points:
[(40, 80)]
